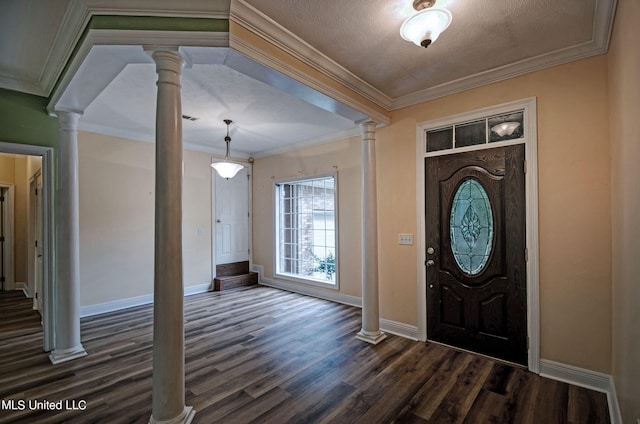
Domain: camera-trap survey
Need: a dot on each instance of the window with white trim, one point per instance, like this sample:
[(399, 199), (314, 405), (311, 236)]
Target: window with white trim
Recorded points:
[(306, 230)]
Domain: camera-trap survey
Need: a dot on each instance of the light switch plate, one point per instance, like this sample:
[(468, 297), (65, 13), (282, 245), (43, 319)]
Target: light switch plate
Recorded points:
[(406, 239)]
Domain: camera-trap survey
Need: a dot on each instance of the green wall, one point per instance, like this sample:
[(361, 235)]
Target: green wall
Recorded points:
[(24, 119)]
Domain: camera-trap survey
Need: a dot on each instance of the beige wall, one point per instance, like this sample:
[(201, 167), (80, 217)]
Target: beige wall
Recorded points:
[(7, 168), (34, 164), (117, 218), (574, 185), (624, 101)]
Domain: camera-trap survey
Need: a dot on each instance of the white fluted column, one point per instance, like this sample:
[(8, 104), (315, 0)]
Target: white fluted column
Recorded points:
[(168, 292), (370, 331), (66, 345)]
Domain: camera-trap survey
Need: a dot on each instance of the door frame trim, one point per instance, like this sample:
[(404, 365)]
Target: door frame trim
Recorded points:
[(531, 187)]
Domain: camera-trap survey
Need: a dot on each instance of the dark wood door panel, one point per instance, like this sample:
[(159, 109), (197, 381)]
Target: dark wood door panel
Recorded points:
[(476, 290)]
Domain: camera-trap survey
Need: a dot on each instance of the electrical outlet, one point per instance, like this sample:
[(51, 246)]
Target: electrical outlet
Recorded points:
[(405, 239)]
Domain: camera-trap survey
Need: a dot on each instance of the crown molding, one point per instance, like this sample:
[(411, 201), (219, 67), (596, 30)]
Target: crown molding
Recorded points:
[(502, 73), (31, 87), (218, 9), (270, 30), (69, 33)]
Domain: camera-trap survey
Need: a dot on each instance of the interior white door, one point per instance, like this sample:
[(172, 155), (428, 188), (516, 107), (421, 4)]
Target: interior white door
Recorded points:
[(231, 218)]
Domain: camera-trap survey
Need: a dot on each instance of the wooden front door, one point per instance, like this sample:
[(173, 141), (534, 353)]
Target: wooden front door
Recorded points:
[(475, 238)]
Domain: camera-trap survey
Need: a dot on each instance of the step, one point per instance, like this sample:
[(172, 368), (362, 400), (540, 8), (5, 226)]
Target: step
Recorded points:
[(235, 268), (232, 281)]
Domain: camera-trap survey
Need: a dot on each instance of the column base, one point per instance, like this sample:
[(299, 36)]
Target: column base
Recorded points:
[(185, 418), (59, 356), (371, 337)]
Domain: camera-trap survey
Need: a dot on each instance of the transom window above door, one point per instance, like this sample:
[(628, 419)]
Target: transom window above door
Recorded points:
[(492, 129)]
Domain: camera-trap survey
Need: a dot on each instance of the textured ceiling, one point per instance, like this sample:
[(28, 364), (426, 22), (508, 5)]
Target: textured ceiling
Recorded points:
[(356, 42)]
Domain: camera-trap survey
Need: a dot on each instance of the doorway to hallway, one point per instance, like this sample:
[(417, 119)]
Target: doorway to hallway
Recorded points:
[(31, 158)]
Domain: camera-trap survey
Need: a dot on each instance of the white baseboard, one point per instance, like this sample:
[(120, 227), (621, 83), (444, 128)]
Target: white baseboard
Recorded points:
[(392, 327), (130, 302), (24, 287), (306, 290), (399, 329), (584, 378)]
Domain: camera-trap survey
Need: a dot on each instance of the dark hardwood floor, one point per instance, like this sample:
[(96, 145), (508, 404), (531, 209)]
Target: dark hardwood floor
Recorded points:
[(262, 355)]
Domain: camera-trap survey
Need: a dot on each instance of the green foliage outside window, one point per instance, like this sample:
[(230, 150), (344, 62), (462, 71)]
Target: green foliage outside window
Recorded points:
[(326, 265)]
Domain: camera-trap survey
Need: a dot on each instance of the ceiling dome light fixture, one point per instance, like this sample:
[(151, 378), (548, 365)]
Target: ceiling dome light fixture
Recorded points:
[(227, 169), (425, 27)]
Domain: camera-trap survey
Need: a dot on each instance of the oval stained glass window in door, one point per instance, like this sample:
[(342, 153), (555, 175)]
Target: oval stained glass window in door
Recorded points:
[(471, 227)]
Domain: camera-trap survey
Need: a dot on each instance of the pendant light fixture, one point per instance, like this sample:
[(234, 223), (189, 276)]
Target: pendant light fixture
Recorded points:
[(227, 169), (425, 27)]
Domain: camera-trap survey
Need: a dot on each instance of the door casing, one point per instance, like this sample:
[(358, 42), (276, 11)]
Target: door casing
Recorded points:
[(35, 254), (531, 187)]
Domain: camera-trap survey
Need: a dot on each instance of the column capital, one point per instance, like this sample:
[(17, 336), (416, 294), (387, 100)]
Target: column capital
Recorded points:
[(367, 125), (167, 58), (368, 130), (68, 119)]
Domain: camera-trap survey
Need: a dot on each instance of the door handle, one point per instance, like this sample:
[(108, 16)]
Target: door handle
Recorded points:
[(218, 221), (430, 263)]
